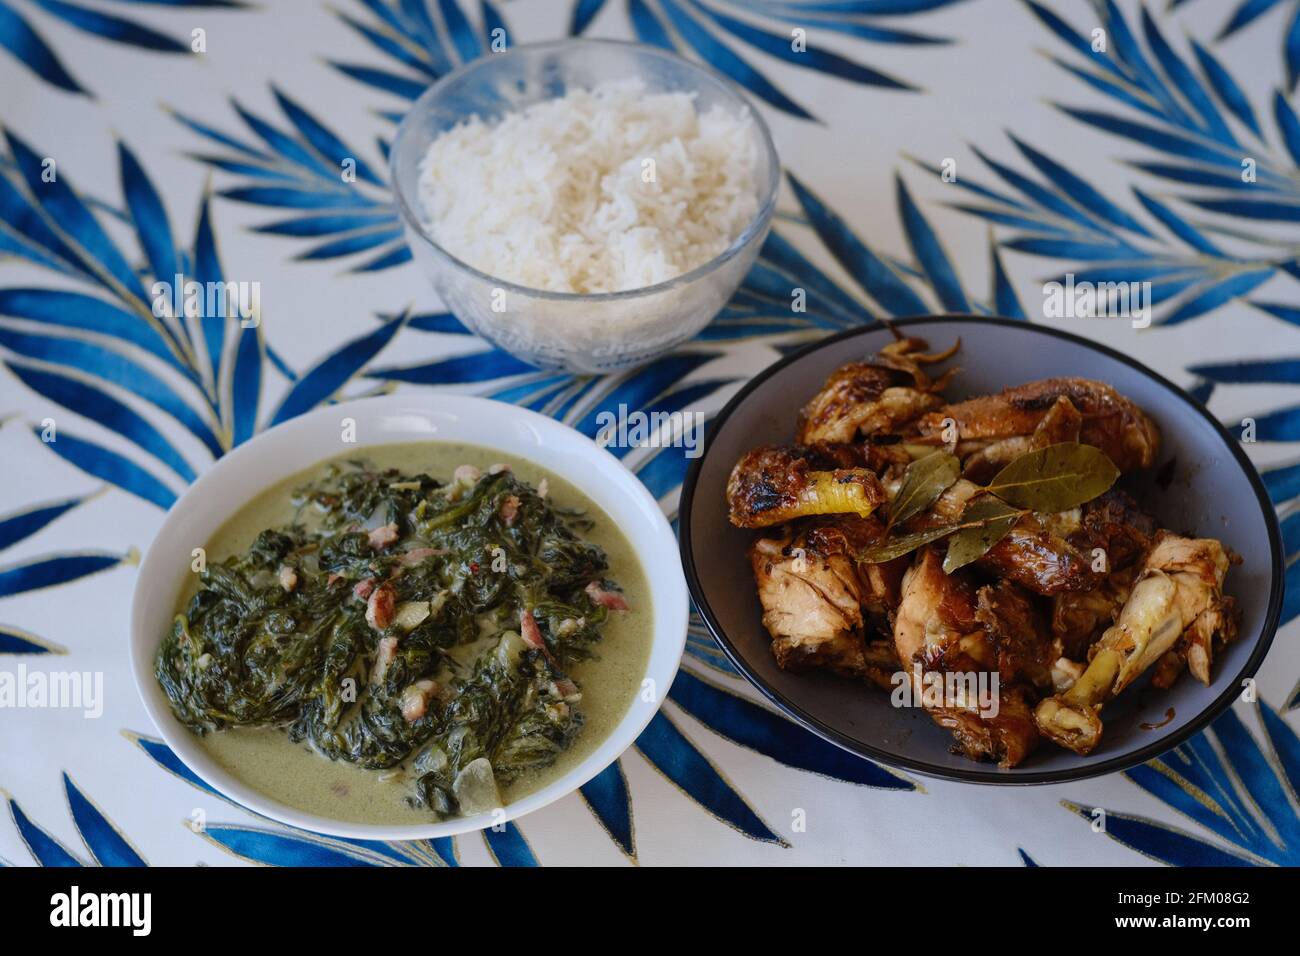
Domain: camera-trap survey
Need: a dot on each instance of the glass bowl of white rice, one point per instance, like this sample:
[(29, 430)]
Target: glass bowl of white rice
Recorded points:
[(586, 205)]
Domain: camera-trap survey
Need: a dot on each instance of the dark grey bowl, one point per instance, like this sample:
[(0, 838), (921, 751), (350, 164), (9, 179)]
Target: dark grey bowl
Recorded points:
[(1215, 492)]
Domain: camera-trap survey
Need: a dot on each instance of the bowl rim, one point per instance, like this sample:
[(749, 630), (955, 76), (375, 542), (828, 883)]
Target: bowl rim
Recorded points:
[(976, 773), (756, 227), (669, 629)]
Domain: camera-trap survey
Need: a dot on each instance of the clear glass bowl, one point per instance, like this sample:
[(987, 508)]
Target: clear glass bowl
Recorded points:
[(577, 333)]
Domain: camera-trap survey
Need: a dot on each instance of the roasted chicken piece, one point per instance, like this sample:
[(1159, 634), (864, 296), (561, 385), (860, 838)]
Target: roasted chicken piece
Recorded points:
[(1037, 553), (1061, 423), (1054, 553), (1109, 420), (846, 536), (1176, 604), (1018, 633), (773, 485), (1072, 551), (874, 397), (1114, 523), (938, 630), (881, 662), (948, 507), (813, 597), (813, 610), (1080, 617)]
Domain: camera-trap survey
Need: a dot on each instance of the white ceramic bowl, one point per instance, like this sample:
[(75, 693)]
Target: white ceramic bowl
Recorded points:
[(298, 444)]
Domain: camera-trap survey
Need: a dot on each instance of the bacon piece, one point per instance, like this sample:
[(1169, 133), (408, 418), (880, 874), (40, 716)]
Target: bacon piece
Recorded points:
[(384, 654), (413, 557), (415, 699), (510, 510), (383, 536), (363, 588), (610, 599), (379, 607), (528, 629)]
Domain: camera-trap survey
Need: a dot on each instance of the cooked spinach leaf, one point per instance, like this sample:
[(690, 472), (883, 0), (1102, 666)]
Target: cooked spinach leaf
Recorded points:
[(401, 623)]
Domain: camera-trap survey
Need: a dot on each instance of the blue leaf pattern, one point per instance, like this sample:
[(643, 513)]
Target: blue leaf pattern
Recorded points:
[(88, 340), (219, 409), (97, 405), (23, 42), (334, 371), (48, 572), (45, 849), (508, 847), (16, 641), (109, 466), (609, 799), (760, 729), (106, 844), (18, 37), (651, 18), (1238, 785), (681, 762), (23, 524)]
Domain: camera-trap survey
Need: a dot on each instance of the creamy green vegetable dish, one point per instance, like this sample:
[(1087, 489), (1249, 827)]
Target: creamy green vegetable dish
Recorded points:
[(425, 633)]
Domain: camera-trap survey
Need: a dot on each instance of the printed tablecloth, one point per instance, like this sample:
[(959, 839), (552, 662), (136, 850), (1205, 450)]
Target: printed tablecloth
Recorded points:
[(940, 156)]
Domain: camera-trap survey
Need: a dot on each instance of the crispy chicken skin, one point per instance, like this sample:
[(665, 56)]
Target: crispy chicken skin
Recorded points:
[(1053, 554), (771, 485), (873, 397), (1061, 423), (1177, 605), (1073, 550), (1018, 632), (1036, 555), (938, 627), (1115, 524), (846, 535), (1123, 532), (1109, 420)]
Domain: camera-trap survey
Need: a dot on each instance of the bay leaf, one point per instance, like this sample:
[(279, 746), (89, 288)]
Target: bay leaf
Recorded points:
[(898, 545), (987, 522), (1056, 478), (923, 482)]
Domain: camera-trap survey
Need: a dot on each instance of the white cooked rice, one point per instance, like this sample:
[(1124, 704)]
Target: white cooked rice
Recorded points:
[(554, 197)]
